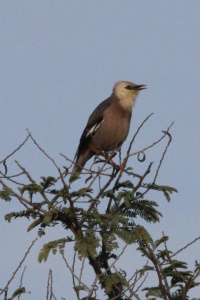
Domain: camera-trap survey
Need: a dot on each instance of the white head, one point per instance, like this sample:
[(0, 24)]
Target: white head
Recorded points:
[(127, 92)]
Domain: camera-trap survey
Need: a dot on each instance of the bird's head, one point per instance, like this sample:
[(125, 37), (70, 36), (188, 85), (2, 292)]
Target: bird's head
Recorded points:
[(127, 92)]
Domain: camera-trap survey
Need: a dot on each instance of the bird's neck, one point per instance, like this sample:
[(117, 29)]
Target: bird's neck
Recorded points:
[(128, 102)]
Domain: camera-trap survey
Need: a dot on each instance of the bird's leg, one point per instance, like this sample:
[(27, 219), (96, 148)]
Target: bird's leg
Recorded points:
[(109, 159), (95, 150), (108, 156)]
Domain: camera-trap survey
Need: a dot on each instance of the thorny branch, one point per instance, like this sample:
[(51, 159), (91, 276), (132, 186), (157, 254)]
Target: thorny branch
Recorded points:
[(17, 149), (77, 221), (19, 266), (50, 294)]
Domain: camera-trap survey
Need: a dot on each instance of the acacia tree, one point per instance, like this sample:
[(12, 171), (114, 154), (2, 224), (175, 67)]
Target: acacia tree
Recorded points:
[(102, 218)]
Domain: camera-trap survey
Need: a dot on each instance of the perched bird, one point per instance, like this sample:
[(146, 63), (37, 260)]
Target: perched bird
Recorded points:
[(108, 125)]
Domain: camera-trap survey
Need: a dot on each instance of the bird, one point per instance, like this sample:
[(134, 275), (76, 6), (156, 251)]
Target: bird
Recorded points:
[(108, 125)]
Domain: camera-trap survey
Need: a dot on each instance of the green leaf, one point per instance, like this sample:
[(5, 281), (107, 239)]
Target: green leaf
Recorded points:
[(41, 232), (126, 235), (87, 245), (197, 266), (24, 213), (142, 235), (160, 241), (109, 194), (34, 224), (32, 188), (110, 280), (127, 196), (51, 247), (48, 218), (8, 217), (145, 269), (84, 192), (125, 184), (167, 190), (109, 241), (74, 177), (6, 194), (79, 288), (47, 182), (153, 291), (18, 292), (145, 209)]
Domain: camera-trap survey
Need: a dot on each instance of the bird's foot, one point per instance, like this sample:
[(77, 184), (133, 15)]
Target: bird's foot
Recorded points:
[(121, 167), (110, 160)]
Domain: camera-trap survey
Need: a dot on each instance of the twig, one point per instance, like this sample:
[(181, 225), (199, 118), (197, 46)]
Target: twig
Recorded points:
[(72, 272), (43, 151), (129, 149), (5, 166), (9, 178), (141, 284), (128, 288), (19, 266), (165, 151), (22, 144), (73, 277), (93, 287), (50, 286), (54, 163), (98, 196), (21, 280), (159, 271), (137, 131), (25, 172), (22, 200), (186, 246)]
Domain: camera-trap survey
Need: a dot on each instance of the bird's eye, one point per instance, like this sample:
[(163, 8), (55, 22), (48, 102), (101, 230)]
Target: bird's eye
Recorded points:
[(128, 87)]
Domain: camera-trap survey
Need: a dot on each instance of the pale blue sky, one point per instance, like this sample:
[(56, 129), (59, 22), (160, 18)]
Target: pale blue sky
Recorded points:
[(58, 60)]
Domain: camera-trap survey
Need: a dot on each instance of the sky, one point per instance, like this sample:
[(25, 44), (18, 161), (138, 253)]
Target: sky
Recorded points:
[(58, 60)]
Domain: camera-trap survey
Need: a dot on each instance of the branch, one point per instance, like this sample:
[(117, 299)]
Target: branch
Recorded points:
[(19, 266), (72, 272), (186, 246), (133, 139), (165, 151), (22, 144)]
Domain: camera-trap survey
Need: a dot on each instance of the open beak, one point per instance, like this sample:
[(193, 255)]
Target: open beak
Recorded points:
[(140, 87)]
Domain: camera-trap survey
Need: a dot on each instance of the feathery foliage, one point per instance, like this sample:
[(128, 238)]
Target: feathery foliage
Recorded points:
[(103, 217)]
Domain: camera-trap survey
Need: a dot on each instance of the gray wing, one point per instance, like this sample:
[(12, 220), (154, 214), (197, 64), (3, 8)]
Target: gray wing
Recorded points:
[(94, 122)]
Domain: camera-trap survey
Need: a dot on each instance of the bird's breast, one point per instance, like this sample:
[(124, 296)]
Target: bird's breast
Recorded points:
[(114, 129)]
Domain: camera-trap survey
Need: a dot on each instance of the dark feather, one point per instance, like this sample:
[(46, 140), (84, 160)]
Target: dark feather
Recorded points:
[(94, 120)]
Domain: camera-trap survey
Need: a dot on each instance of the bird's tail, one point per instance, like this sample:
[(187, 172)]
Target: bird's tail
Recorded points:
[(80, 162)]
